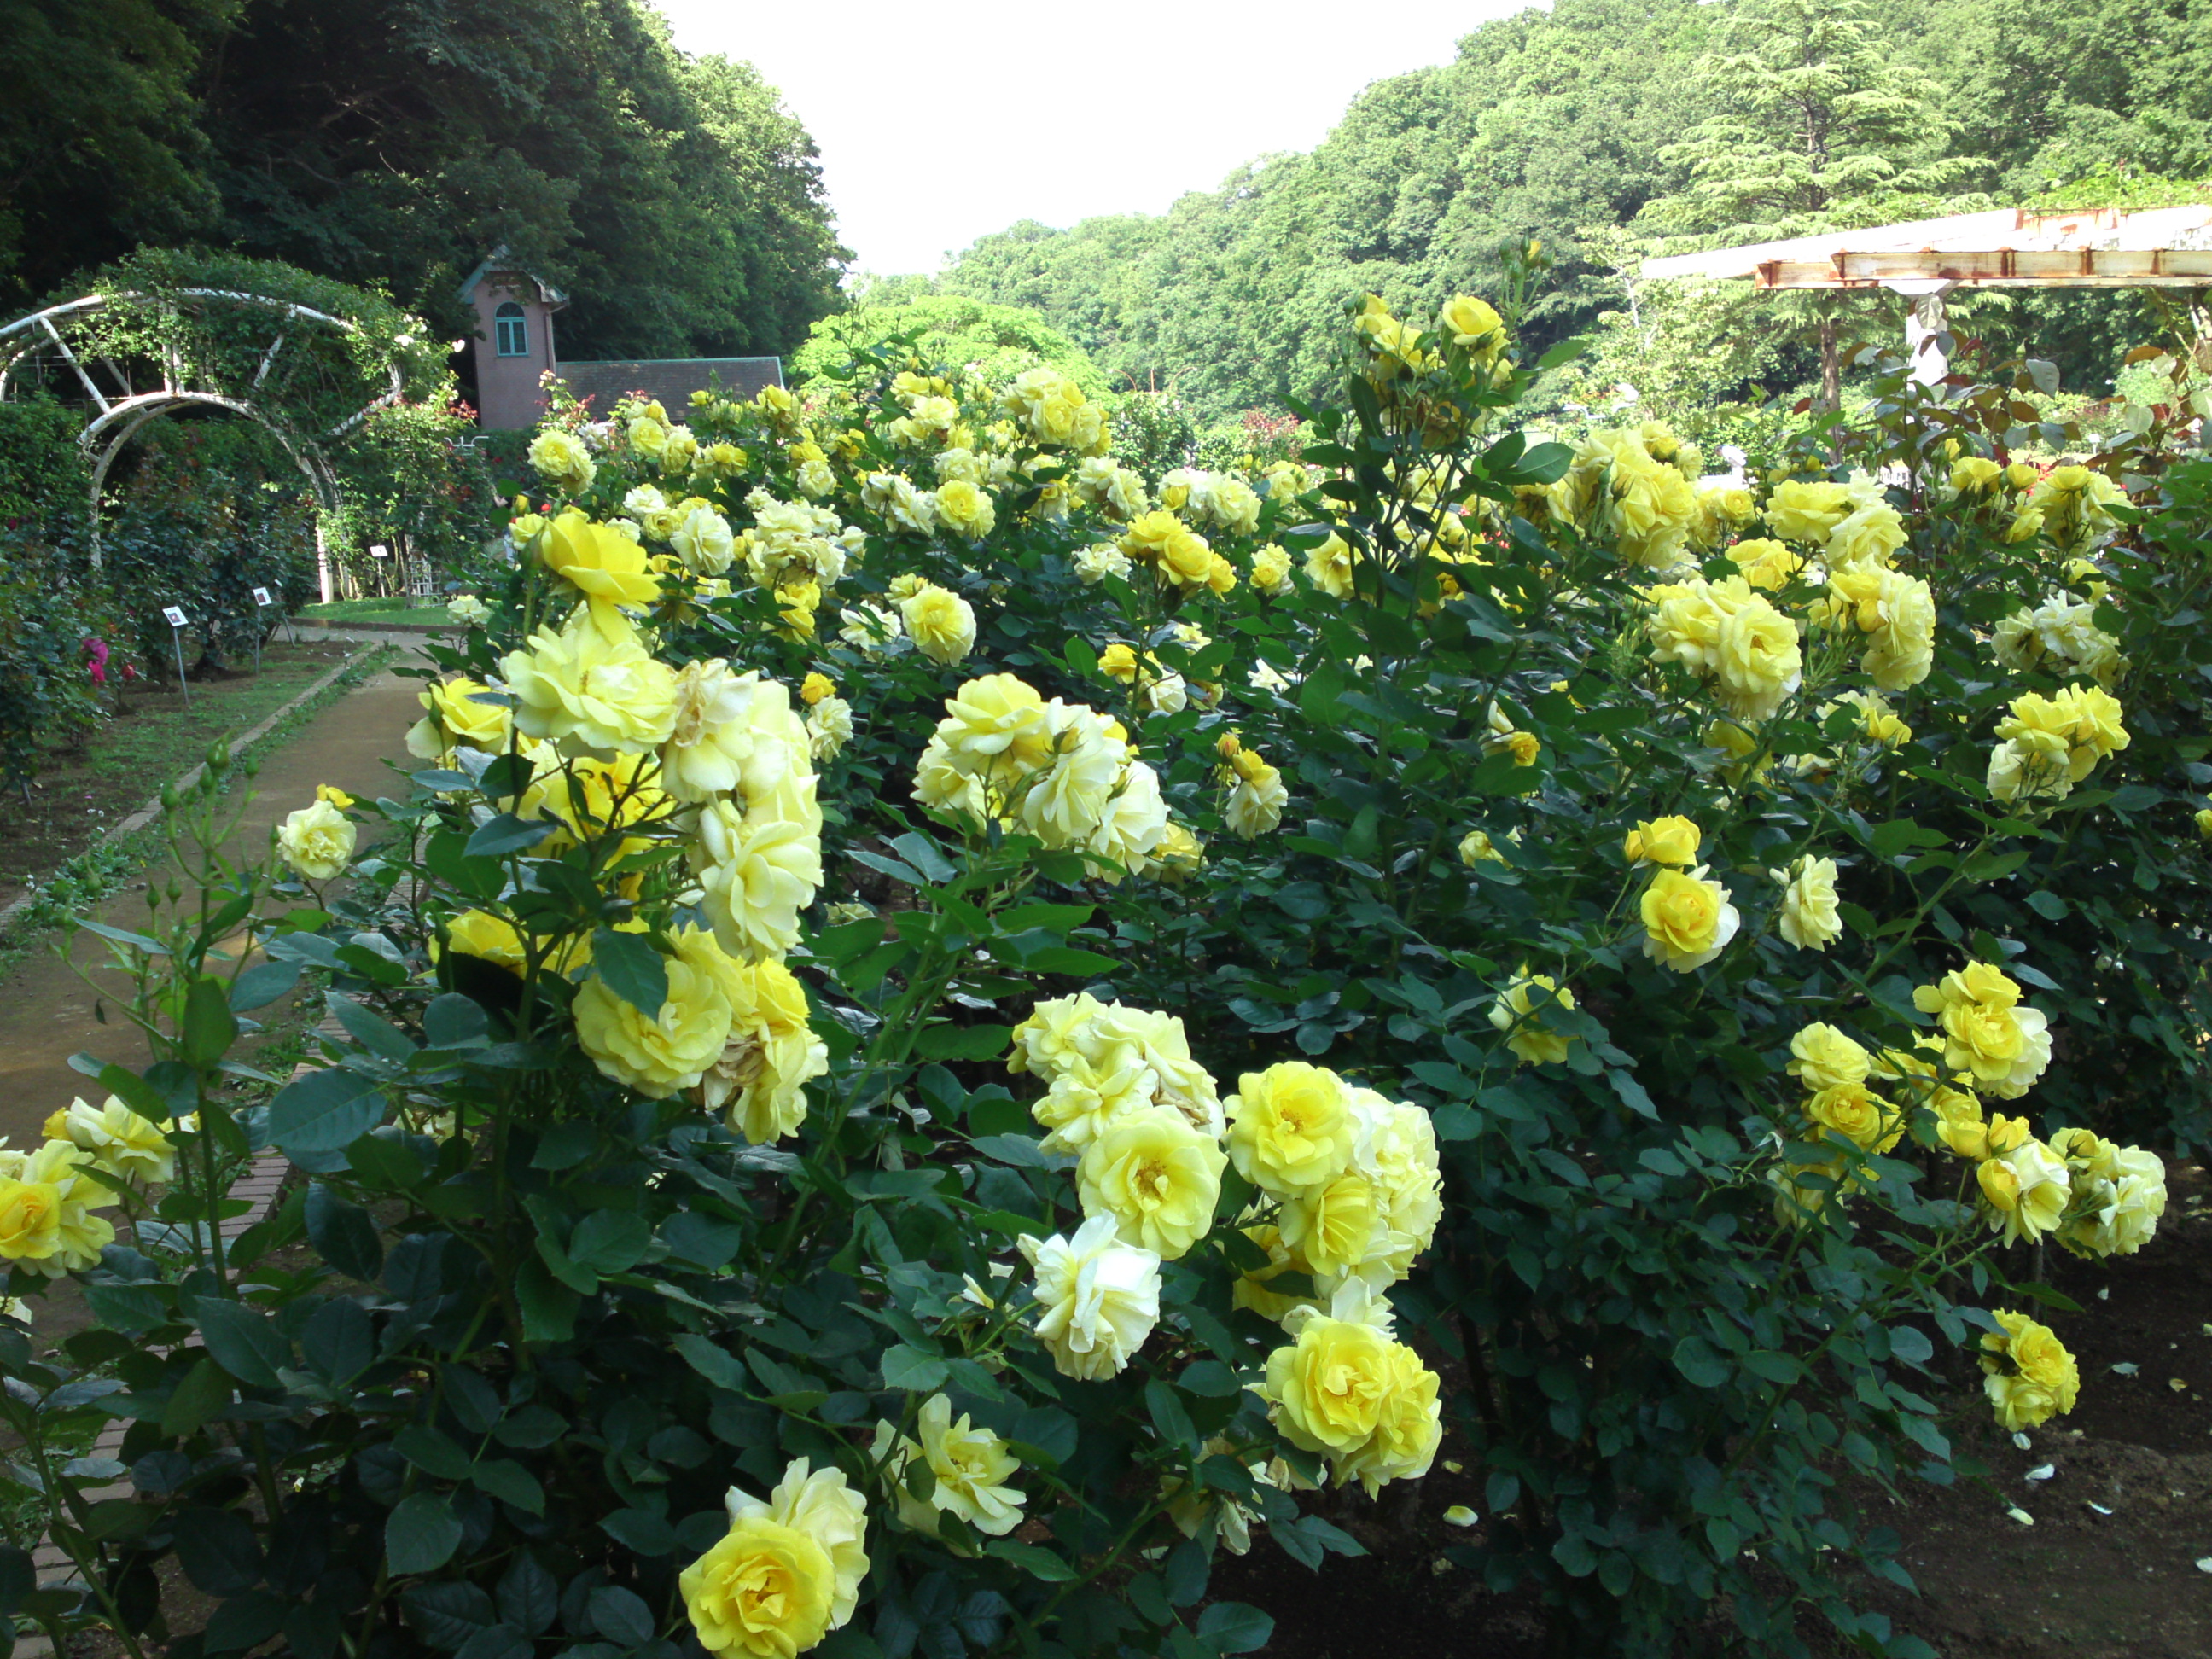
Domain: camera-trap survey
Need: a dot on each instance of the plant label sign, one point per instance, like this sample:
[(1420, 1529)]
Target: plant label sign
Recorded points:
[(261, 596), (379, 550), (174, 616)]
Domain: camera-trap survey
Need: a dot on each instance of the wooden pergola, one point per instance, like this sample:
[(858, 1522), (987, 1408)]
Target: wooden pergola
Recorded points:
[(1926, 259)]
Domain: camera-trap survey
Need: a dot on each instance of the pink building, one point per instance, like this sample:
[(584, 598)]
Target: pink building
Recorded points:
[(513, 345)]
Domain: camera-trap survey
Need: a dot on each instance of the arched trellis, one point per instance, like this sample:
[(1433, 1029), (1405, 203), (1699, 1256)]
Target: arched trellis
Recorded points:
[(124, 408)]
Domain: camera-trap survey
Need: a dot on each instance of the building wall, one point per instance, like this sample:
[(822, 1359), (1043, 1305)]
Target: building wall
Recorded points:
[(508, 391)]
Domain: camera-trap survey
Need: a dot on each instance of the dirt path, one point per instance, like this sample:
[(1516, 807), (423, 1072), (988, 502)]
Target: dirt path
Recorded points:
[(46, 1010)]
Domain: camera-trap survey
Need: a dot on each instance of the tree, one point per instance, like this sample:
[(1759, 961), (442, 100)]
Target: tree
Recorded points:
[(1822, 131), (952, 331), (98, 147)]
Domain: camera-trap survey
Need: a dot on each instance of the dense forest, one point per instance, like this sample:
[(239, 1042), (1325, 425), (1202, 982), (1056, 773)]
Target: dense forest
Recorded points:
[(396, 142), (1608, 128)]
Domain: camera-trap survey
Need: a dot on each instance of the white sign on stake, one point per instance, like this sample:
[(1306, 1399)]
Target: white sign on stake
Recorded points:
[(174, 616), (261, 596), (379, 550)]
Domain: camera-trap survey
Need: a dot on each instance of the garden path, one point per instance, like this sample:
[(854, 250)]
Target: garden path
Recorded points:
[(46, 1010)]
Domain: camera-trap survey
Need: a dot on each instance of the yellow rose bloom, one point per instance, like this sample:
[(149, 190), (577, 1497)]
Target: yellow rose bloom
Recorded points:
[(1766, 564), (1156, 1176), (1672, 839), (1515, 1012), (1291, 1127), (1476, 847), (1329, 1386), (2022, 474), (599, 562), (763, 1591), (1687, 920), (30, 1219), (117, 1138), (1099, 1297), (1858, 1114), (1822, 1057), (456, 718), (965, 510), (2031, 1377), (1986, 1030), (582, 687), (1408, 1427), (1330, 1229), (2203, 822), (317, 841), (1805, 510), (1270, 569), (941, 624), (1328, 566), (662, 1052), (1757, 658), (2026, 1189), (1974, 475), (561, 459), (496, 939), (1808, 917), (970, 1469), (815, 687), (1118, 662)]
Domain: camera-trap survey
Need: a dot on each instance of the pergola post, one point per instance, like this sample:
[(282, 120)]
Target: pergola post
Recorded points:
[(1924, 324)]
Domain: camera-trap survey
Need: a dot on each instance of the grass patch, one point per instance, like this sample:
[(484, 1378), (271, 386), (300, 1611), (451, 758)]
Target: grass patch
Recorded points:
[(414, 612), (95, 872)]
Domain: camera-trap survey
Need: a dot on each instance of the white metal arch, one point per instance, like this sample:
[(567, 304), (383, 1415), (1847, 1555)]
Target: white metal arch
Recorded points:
[(124, 411)]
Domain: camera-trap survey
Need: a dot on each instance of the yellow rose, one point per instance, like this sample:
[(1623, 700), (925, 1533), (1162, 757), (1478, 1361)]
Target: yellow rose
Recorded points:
[(1476, 847), (1808, 917), (1330, 1229), (1408, 1426), (1857, 1114), (1671, 840), (1291, 1127), (1473, 323), (1328, 566), (30, 1219), (1099, 1298), (599, 562), (561, 459), (462, 713), (662, 1052), (1118, 662), (763, 1591), (1985, 1030), (1822, 1057), (595, 690), (317, 841), (815, 687), (1270, 569), (1805, 510), (1757, 660), (2203, 822), (2022, 474), (116, 1139), (495, 939), (1156, 1176), (1329, 1386), (1517, 1013), (965, 510), (970, 1469), (1765, 564), (2026, 1189), (1687, 920), (2031, 1377), (941, 624), (1974, 475)]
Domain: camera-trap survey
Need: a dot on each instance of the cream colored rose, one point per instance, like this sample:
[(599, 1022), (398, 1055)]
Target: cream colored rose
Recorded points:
[(1807, 916), (970, 1471), (317, 841), (1098, 1299), (941, 624)]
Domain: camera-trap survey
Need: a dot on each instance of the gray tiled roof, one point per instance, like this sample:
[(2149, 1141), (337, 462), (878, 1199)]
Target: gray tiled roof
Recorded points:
[(669, 380)]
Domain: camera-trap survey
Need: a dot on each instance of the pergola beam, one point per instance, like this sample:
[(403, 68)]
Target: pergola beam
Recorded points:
[(1995, 267)]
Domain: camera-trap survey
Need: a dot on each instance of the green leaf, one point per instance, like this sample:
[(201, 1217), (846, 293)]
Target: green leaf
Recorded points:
[(922, 852), (205, 1391), (508, 1481), (374, 1033), (549, 1308), (1035, 1560), (210, 1027), (610, 1241), (508, 833), (1233, 1627), (1695, 1358), (345, 1234), (964, 1041), (640, 1531), (432, 1452), (420, 1535), (912, 1369), (324, 1111), (717, 1364), (631, 969), (338, 1341), (243, 1342), (261, 984)]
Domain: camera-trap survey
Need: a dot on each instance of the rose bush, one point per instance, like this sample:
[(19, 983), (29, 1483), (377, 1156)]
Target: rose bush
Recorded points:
[(1033, 1012)]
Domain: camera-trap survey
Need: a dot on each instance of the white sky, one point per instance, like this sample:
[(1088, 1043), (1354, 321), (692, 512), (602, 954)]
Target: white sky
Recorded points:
[(939, 124)]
